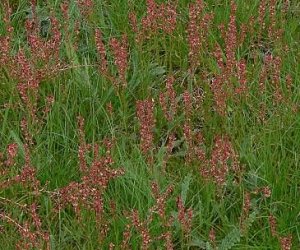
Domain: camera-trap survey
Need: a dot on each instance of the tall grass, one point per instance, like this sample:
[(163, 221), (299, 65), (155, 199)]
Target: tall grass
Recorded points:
[(149, 124)]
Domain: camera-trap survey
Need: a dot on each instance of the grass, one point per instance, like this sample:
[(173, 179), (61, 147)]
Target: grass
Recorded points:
[(268, 151)]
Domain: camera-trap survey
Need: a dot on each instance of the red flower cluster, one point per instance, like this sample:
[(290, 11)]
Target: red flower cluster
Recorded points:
[(42, 61), (161, 199), (219, 163), (31, 232), (142, 228), (197, 32), (95, 178), (231, 41), (120, 52), (185, 216), (101, 51), (145, 115), (187, 127), (86, 7), (168, 101), (12, 150), (159, 17), (285, 242)]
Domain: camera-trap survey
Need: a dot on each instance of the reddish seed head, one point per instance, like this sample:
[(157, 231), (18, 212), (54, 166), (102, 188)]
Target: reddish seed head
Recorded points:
[(88, 193), (168, 241), (86, 7), (12, 150), (133, 21), (185, 216), (231, 40), (276, 79), (193, 30), (261, 15), (109, 108), (126, 238), (4, 50), (272, 16), (219, 161), (159, 17), (145, 115), (168, 101), (289, 82), (273, 225), (169, 17), (64, 7), (286, 242), (266, 191), (246, 209), (83, 147), (101, 51), (187, 127), (212, 236), (161, 199), (120, 52), (242, 77), (142, 228), (187, 100)]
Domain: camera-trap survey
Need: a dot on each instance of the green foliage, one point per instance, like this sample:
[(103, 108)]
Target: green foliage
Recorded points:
[(231, 239), (264, 134)]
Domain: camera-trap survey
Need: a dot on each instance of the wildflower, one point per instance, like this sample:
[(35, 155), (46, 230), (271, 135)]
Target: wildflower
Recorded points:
[(142, 228), (169, 17), (146, 119), (273, 225), (133, 21), (286, 242), (220, 94), (31, 233), (4, 50), (266, 191), (120, 52), (246, 209), (185, 216), (12, 150), (26, 133), (272, 16), (231, 40), (101, 52), (88, 193), (241, 69), (83, 147), (212, 237), (28, 175), (161, 199), (126, 238), (168, 99), (168, 240), (276, 79), (219, 162), (261, 17), (86, 7), (193, 31), (49, 103), (64, 7), (159, 17), (109, 108), (187, 127), (289, 83)]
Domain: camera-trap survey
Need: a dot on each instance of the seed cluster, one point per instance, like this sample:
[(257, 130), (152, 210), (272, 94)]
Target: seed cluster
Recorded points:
[(145, 114)]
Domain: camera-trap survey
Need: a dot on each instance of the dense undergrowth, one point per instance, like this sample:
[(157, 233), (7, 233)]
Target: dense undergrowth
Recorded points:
[(149, 124)]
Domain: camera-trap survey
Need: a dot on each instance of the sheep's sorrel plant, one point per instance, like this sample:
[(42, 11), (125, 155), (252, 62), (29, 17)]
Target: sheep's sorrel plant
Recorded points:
[(188, 134)]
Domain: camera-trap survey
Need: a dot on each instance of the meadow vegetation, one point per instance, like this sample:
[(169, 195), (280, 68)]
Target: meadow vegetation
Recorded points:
[(149, 124)]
